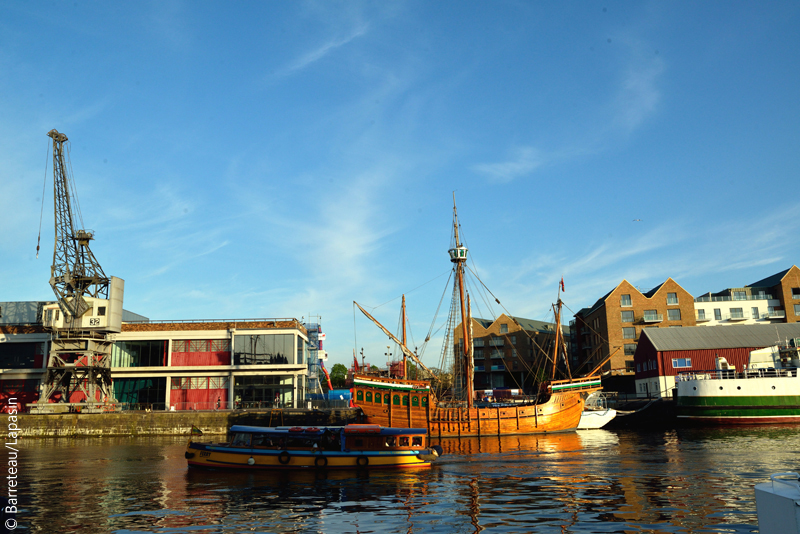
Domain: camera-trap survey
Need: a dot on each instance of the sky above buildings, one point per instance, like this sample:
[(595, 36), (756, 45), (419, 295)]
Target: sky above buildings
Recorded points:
[(283, 159)]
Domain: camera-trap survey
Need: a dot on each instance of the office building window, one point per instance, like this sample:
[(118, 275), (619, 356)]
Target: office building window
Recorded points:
[(629, 332), (672, 298), (627, 316), (625, 300), (717, 314), (674, 315)]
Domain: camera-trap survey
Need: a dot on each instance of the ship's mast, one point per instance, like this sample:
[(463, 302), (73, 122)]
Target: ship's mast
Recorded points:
[(458, 255), (405, 359)]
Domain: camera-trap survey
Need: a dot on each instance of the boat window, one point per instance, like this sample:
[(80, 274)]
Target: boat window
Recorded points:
[(424, 401), (397, 400), (405, 400), (414, 401), (369, 396), (416, 441), (391, 441), (404, 441), (240, 439), (261, 440), (359, 395)]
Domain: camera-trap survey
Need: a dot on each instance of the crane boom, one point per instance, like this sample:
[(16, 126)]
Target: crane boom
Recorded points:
[(75, 272)]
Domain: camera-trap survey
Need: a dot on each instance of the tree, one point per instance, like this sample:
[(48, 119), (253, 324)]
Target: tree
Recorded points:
[(338, 375)]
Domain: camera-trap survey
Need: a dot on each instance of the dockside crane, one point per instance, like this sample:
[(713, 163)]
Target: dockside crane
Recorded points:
[(88, 309)]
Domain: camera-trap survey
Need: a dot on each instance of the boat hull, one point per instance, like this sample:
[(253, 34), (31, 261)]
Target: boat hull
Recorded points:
[(717, 398), (560, 413), (594, 419), (205, 455)]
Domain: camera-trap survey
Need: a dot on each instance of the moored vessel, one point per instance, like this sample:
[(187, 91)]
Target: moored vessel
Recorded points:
[(333, 447), (555, 406), (766, 391)]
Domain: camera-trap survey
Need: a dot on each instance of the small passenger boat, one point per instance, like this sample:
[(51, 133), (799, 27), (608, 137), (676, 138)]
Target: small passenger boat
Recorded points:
[(330, 447)]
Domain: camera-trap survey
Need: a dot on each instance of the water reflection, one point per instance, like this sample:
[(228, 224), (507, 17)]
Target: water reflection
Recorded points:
[(686, 480)]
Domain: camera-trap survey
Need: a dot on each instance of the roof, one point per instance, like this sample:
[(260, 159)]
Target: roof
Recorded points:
[(721, 337), (653, 291), (770, 281), (527, 324)]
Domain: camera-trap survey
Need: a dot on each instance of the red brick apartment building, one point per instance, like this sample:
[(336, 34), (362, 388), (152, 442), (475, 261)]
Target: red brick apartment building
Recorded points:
[(616, 320)]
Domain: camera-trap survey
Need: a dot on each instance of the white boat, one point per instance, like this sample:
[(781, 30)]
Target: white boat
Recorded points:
[(776, 504), (596, 413), (766, 391)]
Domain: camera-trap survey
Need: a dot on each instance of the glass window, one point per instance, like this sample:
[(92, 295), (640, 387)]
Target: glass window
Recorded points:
[(629, 332), (674, 315), (737, 313), (21, 355), (796, 292), (739, 295), (630, 349), (627, 316), (139, 353), (717, 314), (797, 309), (701, 314), (651, 315), (754, 312), (264, 349), (503, 328), (679, 363), (625, 300), (672, 298), (142, 392)]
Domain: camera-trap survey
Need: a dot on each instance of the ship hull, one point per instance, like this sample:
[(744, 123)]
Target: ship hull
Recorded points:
[(741, 399), (411, 409)]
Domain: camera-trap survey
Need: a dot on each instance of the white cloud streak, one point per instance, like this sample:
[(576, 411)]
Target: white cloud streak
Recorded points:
[(311, 57)]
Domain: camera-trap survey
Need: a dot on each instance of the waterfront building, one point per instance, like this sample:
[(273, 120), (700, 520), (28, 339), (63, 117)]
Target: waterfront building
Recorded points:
[(616, 321), (175, 365), (664, 352), (772, 299), (506, 349)]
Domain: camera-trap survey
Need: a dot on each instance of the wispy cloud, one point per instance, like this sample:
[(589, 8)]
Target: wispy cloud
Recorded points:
[(523, 162), (639, 94), (321, 51)]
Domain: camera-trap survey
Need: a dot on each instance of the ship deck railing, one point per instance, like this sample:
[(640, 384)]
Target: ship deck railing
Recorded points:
[(730, 374)]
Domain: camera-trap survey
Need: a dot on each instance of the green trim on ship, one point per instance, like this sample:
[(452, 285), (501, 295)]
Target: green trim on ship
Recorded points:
[(561, 387), (395, 387), (746, 406)]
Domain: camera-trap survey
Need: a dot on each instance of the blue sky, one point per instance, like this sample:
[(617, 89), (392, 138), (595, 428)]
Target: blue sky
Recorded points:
[(283, 159)]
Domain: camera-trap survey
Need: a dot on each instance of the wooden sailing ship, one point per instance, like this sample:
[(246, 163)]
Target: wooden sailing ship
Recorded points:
[(404, 403)]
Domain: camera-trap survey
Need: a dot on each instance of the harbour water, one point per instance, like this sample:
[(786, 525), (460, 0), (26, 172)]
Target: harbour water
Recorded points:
[(686, 480)]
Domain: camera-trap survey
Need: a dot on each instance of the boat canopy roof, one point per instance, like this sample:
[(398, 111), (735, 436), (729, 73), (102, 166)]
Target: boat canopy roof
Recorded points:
[(319, 430)]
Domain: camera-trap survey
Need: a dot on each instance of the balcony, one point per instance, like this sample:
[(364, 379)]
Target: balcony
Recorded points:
[(652, 318), (703, 319), (774, 314), (480, 368), (741, 316), (495, 342), (498, 368), (729, 298)]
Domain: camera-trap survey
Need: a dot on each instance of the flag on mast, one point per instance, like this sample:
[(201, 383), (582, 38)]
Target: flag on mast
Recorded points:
[(562, 285)]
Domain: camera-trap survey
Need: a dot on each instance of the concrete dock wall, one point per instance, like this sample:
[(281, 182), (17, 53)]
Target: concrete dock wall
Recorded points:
[(171, 423)]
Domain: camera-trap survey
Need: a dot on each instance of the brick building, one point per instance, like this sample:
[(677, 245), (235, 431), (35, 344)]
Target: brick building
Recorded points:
[(508, 350), (775, 299), (615, 322)]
